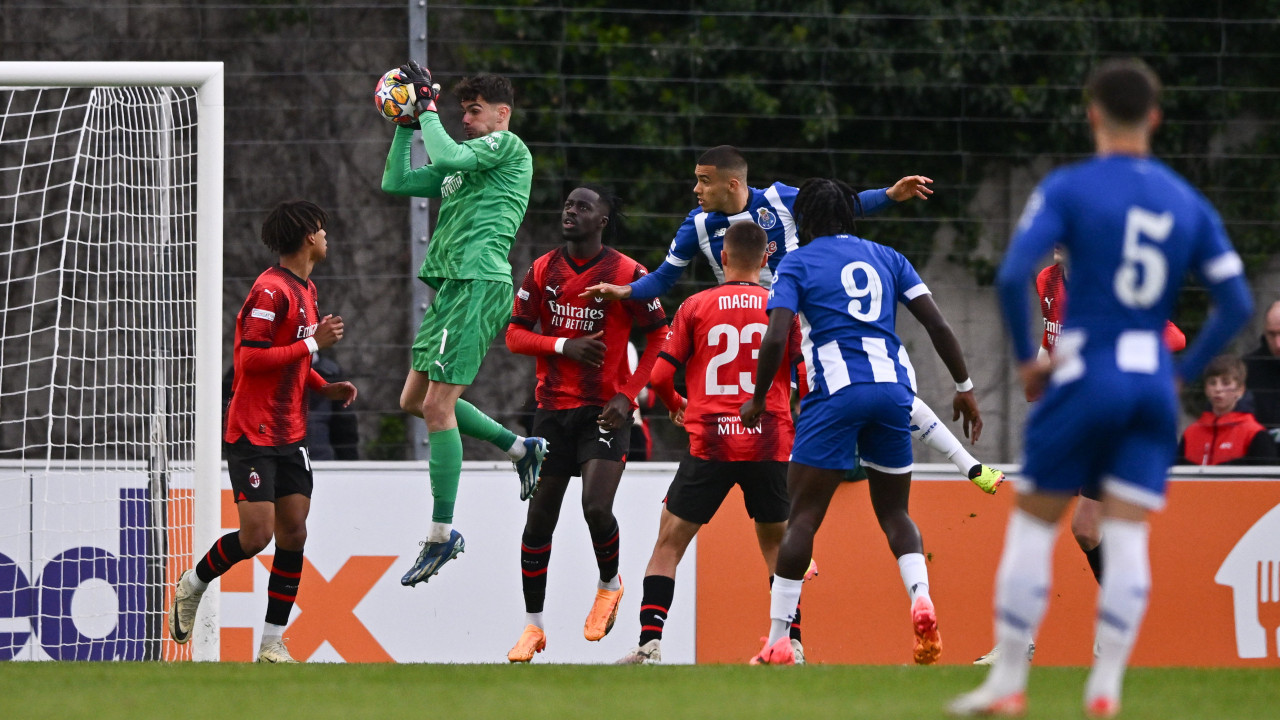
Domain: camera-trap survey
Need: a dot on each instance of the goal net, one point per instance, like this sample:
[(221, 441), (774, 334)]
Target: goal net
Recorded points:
[(100, 360)]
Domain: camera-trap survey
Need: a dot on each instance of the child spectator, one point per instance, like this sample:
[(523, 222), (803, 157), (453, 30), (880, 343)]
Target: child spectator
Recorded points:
[(1224, 435)]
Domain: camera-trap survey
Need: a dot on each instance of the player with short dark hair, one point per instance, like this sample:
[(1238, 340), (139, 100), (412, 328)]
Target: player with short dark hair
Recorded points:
[(724, 198), (277, 330), (845, 291), (484, 188), (586, 397), (1133, 229), (714, 337)]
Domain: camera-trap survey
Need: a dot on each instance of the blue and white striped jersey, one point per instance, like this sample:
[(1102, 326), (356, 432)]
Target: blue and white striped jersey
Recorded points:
[(703, 232), (846, 291)]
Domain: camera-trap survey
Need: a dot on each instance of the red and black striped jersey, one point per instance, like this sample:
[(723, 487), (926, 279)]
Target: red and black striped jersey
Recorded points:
[(716, 336), (1051, 287), (549, 297), (268, 403)]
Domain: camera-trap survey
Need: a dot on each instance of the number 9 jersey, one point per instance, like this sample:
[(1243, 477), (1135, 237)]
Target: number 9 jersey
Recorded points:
[(845, 291), (716, 337)]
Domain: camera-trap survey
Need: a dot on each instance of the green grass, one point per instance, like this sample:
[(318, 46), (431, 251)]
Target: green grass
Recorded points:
[(105, 691)]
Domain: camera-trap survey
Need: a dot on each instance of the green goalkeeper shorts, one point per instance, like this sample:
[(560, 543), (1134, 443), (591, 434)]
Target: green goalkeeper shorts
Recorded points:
[(460, 324)]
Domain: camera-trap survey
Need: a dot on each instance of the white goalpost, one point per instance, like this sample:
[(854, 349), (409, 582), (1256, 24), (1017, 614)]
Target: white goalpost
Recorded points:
[(110, 353)]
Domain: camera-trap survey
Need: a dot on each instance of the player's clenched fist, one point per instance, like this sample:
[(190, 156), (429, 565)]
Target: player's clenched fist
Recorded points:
[(329, 331)]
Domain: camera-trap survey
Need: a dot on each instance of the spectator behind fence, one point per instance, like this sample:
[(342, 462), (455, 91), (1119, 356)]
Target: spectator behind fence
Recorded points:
[(332, 430), (1224, 435), (1263, 367)]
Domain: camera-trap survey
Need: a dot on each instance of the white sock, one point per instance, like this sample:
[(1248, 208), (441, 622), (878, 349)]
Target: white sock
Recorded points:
[(783, 600), (195, 583), (613, 584), (915, 575), (270, 631), (1122, 603), (935, 435), (439, 532), (534, 619), (1022, 595), (517, 449)]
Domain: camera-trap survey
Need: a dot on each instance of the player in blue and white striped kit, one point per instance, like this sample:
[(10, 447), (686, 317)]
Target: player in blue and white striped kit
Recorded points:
[(845, 291), (1108, 420), (724, 198)]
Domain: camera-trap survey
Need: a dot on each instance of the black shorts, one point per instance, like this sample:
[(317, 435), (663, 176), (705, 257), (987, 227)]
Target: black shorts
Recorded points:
[(701, 485), (263, 473), (574, 437)]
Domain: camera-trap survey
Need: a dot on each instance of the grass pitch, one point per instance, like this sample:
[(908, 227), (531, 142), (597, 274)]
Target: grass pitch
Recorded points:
[(106, 691)]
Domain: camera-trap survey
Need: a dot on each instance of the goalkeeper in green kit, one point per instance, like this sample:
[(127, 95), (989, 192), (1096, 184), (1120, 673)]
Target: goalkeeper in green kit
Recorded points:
[(483, 185)]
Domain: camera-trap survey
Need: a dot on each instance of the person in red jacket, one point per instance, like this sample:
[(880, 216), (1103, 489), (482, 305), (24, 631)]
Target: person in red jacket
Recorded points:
[(1223, 435)]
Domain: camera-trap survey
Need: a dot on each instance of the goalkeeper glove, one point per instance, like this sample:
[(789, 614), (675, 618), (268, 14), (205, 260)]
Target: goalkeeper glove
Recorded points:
[(425, 92)]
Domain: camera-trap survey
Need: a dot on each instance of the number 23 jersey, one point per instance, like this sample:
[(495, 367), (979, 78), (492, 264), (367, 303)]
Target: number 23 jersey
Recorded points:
[(716, 337)]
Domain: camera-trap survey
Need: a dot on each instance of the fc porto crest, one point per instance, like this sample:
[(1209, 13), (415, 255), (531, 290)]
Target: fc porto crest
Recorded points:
[(765, 219)]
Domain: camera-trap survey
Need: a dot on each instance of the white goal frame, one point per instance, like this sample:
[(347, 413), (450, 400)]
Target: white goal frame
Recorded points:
[(207, 78)]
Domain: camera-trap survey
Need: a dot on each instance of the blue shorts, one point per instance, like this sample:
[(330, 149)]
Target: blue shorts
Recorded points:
[(1113, 431), (871, 419)]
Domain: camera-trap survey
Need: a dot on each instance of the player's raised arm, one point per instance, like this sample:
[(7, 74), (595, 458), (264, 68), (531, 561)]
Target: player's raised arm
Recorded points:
[(911, 186), (773, 348)]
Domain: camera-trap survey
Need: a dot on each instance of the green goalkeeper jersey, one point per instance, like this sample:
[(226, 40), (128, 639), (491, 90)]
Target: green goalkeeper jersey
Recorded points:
[(484, 185)]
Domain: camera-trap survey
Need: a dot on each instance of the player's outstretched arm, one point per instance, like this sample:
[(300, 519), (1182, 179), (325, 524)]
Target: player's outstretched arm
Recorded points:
[(773, 348), (607, 291), (965, 404), (911, 186)]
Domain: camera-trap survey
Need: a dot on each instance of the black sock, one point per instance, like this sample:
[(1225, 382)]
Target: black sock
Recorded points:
[(1094, 557), (658, 593), (795, 624), (221, 556), (282, 586), (606, 548), (535, 556)]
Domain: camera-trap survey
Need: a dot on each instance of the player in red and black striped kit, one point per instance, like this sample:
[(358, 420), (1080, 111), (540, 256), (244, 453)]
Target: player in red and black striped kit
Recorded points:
[(715, 337), (586, 396), (277, 330)]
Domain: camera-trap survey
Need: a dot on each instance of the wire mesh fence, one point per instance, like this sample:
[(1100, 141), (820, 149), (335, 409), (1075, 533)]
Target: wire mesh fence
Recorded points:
[(983, 100)]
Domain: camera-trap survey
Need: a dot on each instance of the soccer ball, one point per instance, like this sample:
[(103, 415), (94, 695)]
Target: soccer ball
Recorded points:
[(394, 99)]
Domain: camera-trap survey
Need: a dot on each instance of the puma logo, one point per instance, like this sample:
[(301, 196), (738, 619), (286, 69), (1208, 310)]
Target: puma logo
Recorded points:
[(607, 441), (1048, 302), (272, 293), (441, 364), (553, 291)]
